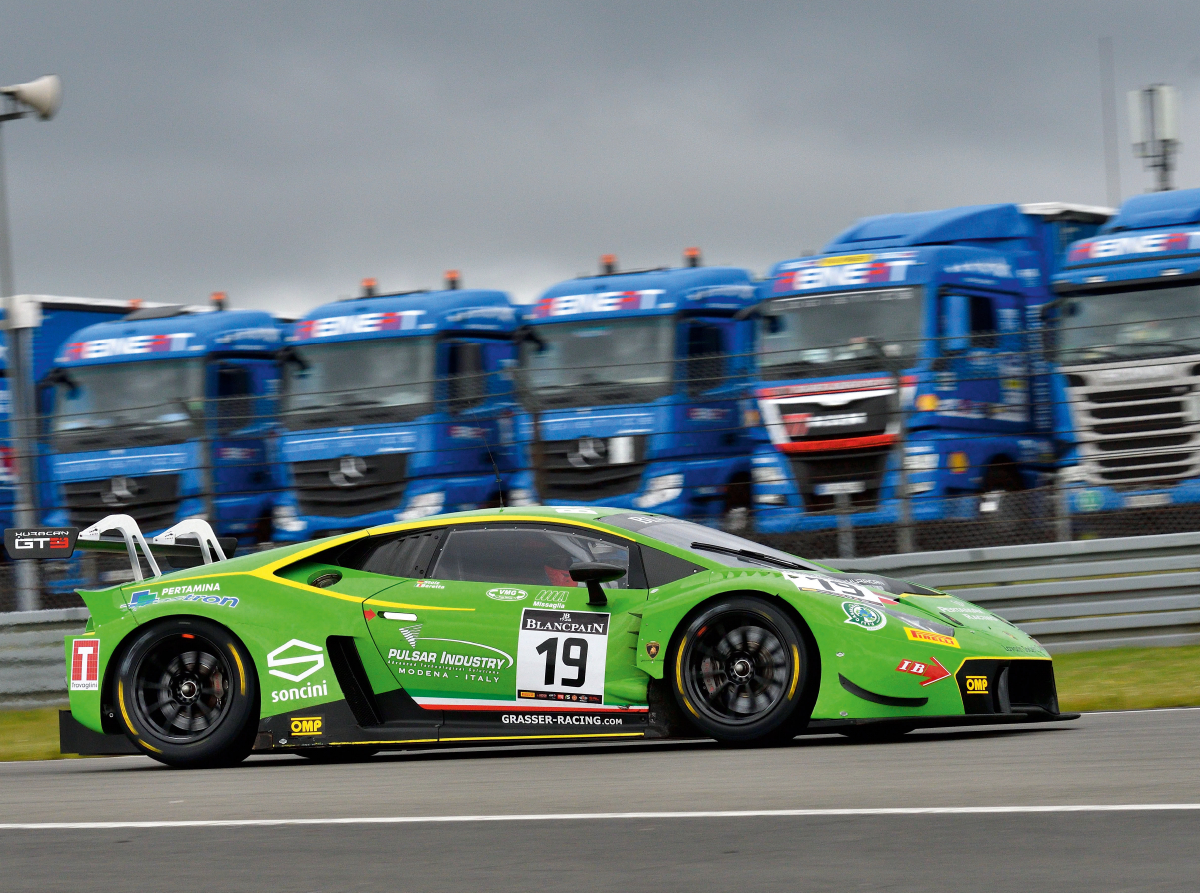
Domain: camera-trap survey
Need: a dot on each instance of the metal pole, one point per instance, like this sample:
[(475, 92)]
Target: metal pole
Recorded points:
[(904, 539), (19, 370), (845, 529)]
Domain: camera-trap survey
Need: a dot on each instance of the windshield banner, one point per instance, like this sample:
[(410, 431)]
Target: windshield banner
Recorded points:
[(1123, 246), (845, 270)]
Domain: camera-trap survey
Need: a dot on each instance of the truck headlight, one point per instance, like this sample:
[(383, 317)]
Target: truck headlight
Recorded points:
[(284, 518), (659, 490), (767, 474), (422, 506), (921, 461), (520, 497)]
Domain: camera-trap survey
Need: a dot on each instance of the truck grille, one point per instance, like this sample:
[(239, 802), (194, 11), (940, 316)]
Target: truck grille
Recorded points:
[(592, 467), (152, 501), (1137, 436), (844, 467), (346, 486), (813, 420)]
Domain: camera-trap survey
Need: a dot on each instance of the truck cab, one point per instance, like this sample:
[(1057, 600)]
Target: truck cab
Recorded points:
[(1127, 366), (395, 407), (165, 415), (912, 338), (631, 385)]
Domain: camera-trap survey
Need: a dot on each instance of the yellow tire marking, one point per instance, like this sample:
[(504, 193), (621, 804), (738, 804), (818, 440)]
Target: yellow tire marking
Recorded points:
[(679, 664), (148, 746), (241, 669), (795, 671), (124, 713)]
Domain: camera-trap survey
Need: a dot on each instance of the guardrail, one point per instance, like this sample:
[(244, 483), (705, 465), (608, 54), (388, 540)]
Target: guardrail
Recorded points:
[(32, 669), (1136, 591), (1077, 596)]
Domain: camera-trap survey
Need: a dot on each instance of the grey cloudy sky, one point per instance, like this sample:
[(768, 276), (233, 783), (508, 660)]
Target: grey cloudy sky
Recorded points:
[(283, 151)]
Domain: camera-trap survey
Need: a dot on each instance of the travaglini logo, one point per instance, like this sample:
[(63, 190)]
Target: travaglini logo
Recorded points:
[(40, 542)]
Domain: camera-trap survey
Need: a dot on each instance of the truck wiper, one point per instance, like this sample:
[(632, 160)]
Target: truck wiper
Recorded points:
[(750, 554)]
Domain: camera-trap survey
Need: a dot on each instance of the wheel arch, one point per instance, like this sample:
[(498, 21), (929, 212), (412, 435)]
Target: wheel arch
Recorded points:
[(812, 682)]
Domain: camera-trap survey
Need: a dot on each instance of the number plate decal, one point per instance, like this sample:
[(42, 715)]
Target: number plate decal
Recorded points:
[(561, 656)]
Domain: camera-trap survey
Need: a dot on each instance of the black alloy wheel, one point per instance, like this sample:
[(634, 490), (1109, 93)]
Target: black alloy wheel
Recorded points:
[(741, 671), (188, 694)]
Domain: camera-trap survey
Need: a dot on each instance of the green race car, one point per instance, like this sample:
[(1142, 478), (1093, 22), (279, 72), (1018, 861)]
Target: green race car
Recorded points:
[(524, 625)]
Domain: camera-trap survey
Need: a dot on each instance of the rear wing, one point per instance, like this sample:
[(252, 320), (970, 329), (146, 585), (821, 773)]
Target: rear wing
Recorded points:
[(62, 542)]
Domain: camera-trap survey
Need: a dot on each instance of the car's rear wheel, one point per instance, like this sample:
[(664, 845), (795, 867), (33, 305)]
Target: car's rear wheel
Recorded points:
[(740, 671), (188, 694)]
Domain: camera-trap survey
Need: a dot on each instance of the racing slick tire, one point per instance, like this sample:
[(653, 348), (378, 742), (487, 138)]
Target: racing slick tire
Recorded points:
[(188, 694), (739, 671)]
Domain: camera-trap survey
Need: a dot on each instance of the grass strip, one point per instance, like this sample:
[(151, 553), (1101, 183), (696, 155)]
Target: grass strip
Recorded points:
[(1121, 679)]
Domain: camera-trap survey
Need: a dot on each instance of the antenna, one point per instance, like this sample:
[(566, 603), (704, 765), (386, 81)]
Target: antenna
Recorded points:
[(499, 483)]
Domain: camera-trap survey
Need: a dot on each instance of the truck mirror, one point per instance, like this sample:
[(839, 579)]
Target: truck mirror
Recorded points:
[(956, 323)]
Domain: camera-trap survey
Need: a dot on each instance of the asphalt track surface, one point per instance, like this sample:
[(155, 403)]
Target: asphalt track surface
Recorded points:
[(1110, 802)]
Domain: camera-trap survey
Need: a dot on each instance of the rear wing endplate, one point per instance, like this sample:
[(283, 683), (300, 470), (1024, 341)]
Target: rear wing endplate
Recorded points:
[(62, 542)]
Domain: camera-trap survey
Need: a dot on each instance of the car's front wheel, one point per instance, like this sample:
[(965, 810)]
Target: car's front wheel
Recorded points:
[(740, 671), (188, 694)]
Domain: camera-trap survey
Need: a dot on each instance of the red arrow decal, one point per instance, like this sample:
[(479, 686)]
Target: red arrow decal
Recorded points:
[(932, 671)]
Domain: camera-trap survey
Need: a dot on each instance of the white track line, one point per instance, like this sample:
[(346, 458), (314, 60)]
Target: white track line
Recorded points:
[(592, 816)]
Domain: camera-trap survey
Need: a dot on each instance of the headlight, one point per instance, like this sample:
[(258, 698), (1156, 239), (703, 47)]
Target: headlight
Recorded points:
[(768, 474), (770, 499), (423, 506), (284, 517), (660, 490), (519, 497), (921, 461), (1072, 474)]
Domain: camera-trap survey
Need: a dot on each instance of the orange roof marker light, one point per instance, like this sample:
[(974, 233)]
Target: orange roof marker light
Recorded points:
[(368, 287), (219, 299), (608, 264), (691, 257), (452, 280)]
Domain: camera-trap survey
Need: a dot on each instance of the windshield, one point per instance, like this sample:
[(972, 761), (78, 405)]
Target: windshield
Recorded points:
[(724, 547), (836, 333), (359, 383), (585, 363), (149, 403), (1130, 325)]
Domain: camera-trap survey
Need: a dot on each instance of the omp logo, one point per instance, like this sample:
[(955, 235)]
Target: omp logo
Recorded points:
[(85, 665), (921, 635), (307, 725), (296, 656), (977, 685)]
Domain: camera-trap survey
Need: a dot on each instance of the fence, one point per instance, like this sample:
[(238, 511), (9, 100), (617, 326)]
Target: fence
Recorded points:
[(1075, 596), (32, 668)]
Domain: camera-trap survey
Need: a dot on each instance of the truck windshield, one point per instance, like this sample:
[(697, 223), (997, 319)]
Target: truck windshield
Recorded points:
[(828, 334), (359, 383), (589, 363), (148, 403), (1130, 325)]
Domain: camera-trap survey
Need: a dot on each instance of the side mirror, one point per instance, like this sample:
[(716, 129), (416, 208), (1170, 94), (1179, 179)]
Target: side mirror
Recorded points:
[(594, 573)]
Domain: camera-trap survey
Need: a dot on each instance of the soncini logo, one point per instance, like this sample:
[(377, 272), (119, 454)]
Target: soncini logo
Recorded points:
[(977, 685), (296, 648), (308, 725)]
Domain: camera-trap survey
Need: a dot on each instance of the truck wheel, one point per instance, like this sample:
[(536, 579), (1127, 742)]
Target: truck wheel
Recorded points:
[(188, 694), (740, 670)]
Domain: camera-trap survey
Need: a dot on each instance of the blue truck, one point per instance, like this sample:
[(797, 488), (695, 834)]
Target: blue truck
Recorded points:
[(51, 319), (1127, 362), (166, 414), (915, 336), (632, 386), (395, 407)]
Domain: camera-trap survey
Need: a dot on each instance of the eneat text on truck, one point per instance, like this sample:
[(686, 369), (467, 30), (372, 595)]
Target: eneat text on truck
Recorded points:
[(914, 336), (395, 407), (164, 415), (1128, 352), (631, 385)]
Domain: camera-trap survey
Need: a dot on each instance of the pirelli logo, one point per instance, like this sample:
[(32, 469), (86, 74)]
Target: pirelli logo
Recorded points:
[(977, 685), (920, 635), (307, 725)]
